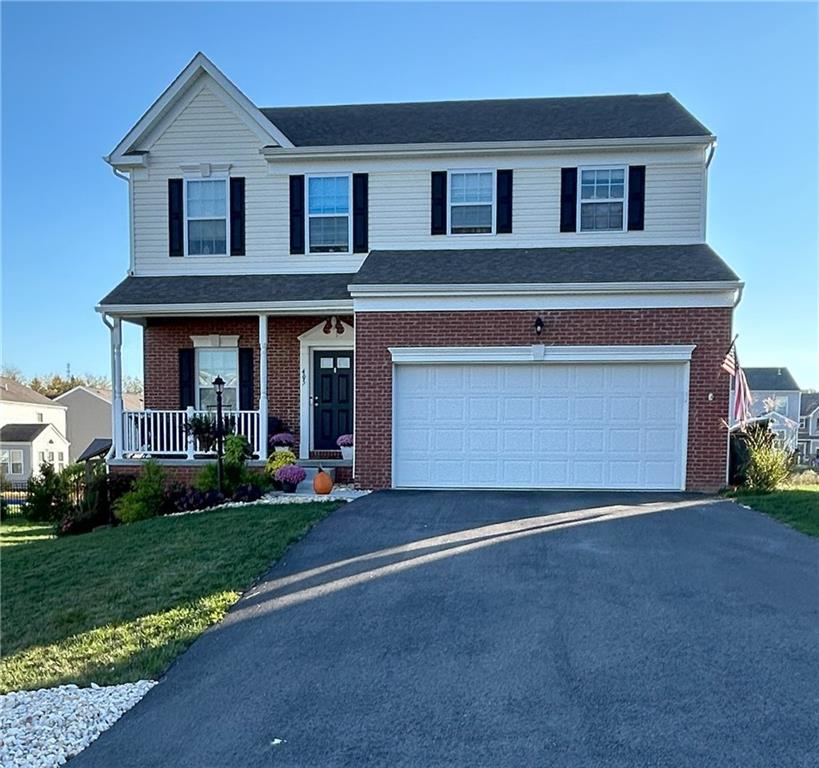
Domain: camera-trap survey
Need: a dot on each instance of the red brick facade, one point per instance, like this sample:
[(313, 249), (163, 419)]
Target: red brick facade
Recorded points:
[(163, 338), (709, 329)]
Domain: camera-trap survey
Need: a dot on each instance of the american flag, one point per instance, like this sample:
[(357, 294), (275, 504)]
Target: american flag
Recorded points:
[(729, 364), (741, 406), (742, 398)]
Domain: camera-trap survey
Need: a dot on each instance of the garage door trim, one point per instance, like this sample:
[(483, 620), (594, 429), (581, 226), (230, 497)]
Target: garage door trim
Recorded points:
[(676, 353)]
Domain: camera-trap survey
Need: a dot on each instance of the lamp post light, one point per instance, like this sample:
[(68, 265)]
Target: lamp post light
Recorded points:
[(219, 388)]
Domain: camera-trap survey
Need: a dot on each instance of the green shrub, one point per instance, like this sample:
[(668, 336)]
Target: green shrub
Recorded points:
[(234, 470), (47, 497), (768, 465), (237, 450), (146, 497)]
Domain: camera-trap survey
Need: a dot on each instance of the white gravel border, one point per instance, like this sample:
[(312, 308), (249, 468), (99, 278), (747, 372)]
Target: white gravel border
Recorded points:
[(279, 498), (48, 726)]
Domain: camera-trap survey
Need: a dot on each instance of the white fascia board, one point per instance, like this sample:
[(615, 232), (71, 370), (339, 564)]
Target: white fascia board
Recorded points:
[(480, 298), (515, 289), (672, 353), (234, 308), (200, 63), (283, 152)]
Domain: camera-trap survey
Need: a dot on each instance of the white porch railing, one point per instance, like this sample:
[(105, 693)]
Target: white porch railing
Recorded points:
[(166, 433)]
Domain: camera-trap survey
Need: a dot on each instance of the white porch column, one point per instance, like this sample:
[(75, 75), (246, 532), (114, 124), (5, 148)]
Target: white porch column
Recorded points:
[(263, 387), (116, 386)]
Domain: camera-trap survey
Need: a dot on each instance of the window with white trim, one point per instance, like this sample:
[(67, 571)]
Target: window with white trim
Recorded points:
[(471, 202), (329, 223), (210, 363), (781, 404), (602, 199), (11, 461), (206, 217)]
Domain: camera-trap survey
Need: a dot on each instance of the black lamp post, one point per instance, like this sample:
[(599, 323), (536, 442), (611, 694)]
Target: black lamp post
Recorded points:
[(219, 388)]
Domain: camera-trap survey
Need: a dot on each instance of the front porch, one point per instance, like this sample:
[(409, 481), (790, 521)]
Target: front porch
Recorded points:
[(283, 373)]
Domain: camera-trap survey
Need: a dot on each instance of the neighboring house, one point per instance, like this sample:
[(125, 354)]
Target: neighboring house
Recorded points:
[(512, 294), (89, 415), (32, 431), (774, 389), (809, 427)]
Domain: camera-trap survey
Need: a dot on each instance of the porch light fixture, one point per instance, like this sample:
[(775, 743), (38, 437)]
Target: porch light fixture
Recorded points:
[(219, 386), (538, 326), (339, 327), (328, 325)]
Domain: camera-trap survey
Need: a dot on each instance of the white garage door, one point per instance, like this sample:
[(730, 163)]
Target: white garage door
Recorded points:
[(591, 425)]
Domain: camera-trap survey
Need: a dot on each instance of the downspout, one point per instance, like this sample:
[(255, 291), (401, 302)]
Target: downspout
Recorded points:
[(711, 155), (125, 177)]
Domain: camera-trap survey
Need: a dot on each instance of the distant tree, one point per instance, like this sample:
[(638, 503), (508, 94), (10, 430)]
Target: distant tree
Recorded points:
[(54, 384), (12, 372)]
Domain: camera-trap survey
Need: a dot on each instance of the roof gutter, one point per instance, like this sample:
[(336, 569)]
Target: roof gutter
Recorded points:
[(273, 154), (206, 309), (556, 289)]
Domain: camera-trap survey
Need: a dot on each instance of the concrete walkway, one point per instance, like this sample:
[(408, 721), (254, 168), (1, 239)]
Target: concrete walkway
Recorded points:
[(504, 629)]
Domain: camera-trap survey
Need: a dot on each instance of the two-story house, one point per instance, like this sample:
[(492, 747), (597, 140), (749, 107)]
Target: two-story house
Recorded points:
[(488, 294), (809, 427), (32, 432), (776, 400)]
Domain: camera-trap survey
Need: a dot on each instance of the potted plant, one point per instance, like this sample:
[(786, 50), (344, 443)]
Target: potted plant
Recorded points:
[(345, 442), (203, 428), (276, 462), (283, 441), (290, 476)]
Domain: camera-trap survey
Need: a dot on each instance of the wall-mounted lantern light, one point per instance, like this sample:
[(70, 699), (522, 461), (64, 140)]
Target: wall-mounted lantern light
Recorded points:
[(539, 326)]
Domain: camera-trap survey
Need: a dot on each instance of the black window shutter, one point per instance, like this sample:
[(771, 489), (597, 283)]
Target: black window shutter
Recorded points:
[(297, 214), (237, 217), (187, 388), (176, 218), (636, 197), (503, 223), (360, 212), (245, 379), (438, 203), (568, 199)]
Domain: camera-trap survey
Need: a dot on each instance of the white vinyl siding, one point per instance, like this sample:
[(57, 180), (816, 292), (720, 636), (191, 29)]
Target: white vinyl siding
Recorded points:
[(207, 130)]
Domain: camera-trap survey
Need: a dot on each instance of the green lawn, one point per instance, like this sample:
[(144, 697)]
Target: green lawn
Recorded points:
[(797, 506), (118, 605)]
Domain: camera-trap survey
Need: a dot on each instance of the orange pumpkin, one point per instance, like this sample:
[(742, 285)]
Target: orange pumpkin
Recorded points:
[(322, 483)]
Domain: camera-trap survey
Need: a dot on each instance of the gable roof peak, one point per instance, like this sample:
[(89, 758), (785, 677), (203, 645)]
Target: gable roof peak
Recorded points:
[(127, 153)]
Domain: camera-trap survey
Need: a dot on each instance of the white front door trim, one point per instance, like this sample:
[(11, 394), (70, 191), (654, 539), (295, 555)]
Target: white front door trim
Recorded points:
[(316, 340)]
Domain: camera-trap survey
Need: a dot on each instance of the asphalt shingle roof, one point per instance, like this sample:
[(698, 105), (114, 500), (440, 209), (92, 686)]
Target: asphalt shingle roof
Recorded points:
[(563, 118), (20, 433), (810, 402), (14, 392), (99, 446), (764, 379), (598, 264), (221, 289)]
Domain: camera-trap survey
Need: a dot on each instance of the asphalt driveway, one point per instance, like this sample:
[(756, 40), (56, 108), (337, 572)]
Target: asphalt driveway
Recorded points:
[(504, 629)]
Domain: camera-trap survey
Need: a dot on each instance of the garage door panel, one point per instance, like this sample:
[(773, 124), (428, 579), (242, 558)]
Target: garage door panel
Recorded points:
[(540, 425)]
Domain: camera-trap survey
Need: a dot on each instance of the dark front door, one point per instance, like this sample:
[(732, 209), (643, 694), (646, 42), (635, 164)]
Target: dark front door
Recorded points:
[(332, 398)]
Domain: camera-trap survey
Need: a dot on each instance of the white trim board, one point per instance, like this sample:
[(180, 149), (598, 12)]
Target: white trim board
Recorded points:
[(315, 340), (670, 353), (340, 306), (545, 301)]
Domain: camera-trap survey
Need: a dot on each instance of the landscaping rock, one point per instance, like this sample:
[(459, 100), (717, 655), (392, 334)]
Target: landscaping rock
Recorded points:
[(48, 726)]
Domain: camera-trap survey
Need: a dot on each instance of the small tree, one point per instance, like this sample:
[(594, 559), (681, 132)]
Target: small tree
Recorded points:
[(47, 497)]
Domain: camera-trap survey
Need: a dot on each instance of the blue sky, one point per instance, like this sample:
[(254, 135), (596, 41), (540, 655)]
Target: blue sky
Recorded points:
[(75, 77)]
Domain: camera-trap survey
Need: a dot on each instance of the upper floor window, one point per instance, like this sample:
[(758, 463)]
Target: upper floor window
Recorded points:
[(39, 416), (210, 363), (329, 224), (602, 199), (781, 404), (206, 214), (471, 202)]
